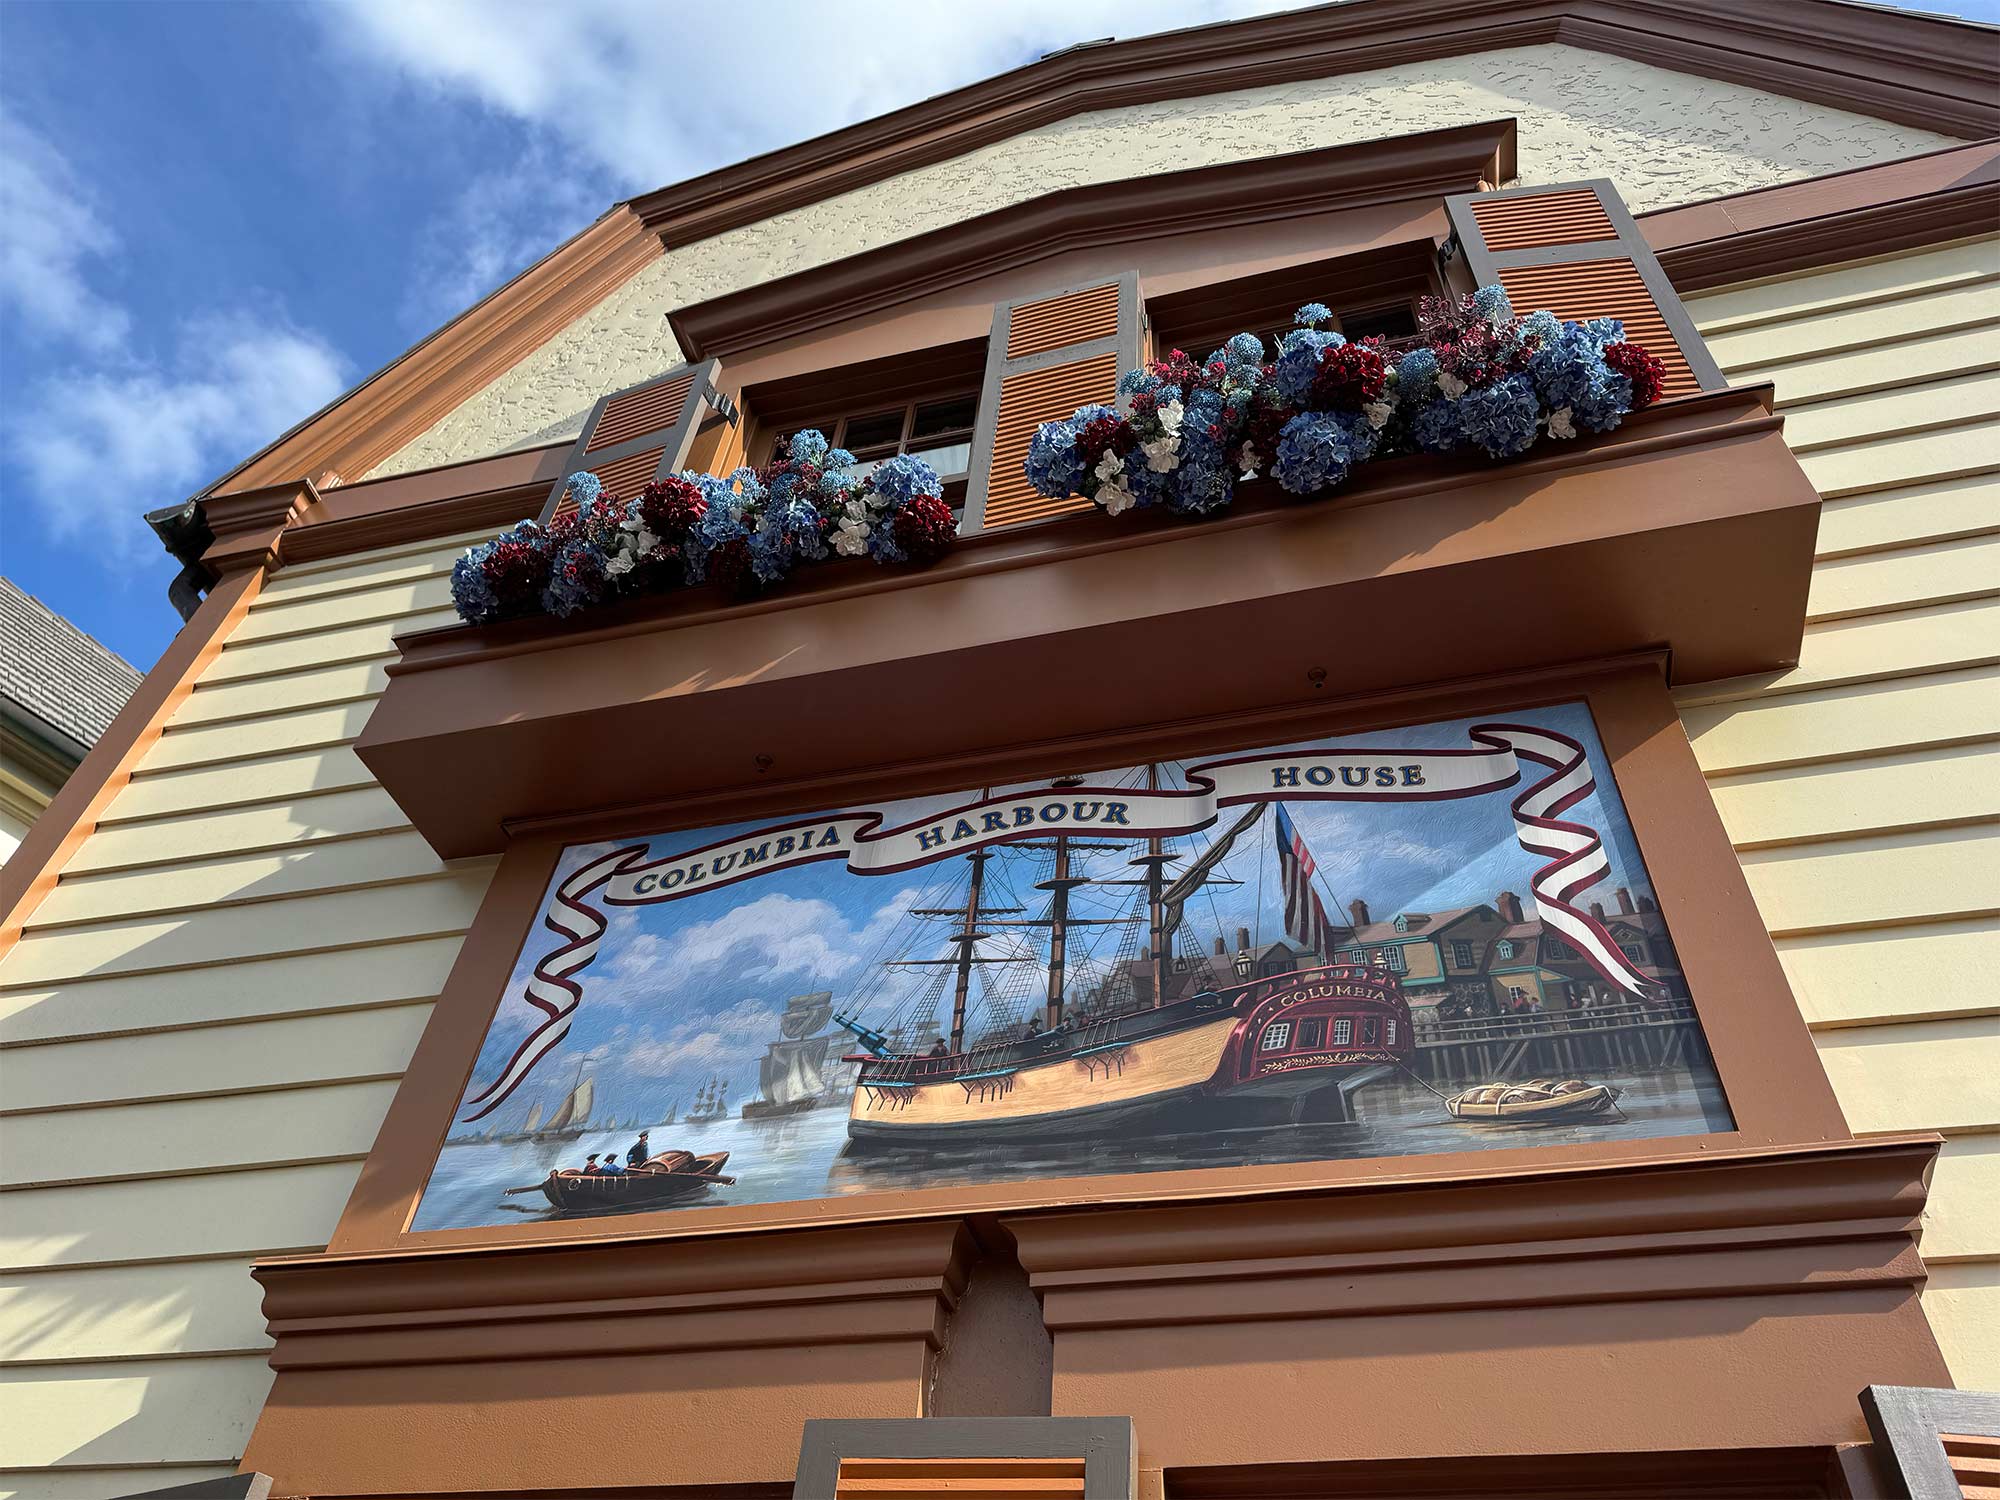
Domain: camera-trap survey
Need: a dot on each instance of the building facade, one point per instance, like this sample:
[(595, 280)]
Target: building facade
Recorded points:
[(267, 957)]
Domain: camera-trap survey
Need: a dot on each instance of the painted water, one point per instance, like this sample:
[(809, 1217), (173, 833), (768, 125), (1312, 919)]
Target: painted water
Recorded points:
[(808, 1156)]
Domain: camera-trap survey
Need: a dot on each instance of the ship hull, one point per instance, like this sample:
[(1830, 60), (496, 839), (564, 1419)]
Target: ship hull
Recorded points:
[(763, 1109)]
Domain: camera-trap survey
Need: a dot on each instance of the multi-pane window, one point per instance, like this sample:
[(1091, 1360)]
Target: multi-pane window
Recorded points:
[(1371, 1030), (1343, 1032), (1312, 1031), (1389, 1032), (1277, 1036), (1461, 954), (937, 430)]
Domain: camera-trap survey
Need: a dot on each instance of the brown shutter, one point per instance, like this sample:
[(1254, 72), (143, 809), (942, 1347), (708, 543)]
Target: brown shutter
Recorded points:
[(635, 435), (960, 1478), (1572, 248), (1049, 354)]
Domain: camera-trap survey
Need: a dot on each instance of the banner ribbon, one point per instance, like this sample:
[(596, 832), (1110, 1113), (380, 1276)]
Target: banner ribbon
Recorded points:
[(629, 877)]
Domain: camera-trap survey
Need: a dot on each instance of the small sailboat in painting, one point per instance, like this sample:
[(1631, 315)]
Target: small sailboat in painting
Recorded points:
[(792, 1073)]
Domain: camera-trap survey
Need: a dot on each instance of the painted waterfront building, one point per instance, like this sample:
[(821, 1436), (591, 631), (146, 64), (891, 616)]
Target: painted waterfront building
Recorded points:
[(965, 915)]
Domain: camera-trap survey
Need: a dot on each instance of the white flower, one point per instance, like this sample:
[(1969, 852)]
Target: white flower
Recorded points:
[(1109, 467), (1170, 417), (851, 540), (1559, 423), (1163, 454), (621, 564), (1246, 460), (1377, 413), (1116, 498), (1450, 386)]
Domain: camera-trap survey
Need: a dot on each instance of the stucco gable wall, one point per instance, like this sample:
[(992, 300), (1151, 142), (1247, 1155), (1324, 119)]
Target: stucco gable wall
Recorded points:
[(1664, 137)]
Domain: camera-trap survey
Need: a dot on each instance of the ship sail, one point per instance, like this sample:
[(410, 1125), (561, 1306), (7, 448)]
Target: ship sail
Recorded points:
[(576, 1108), (534, 1119), (1196, 875)]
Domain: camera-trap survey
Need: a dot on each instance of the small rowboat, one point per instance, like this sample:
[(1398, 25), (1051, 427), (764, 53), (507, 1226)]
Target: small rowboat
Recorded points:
[(1533, 1102), (667, 1178)]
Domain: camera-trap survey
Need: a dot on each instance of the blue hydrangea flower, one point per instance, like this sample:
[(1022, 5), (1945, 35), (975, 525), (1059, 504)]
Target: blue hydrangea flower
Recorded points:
[(576, 579), (808, 447), (1501, 419), (1604, 402), (1492, 303), (1298, 362), (903, 478), (1316, 451), (1312, 315), (584, 487), (1054, 465), (1561, 369), (1435, 426), (474, 596), (1416, 376), (1199, 487), (1243, 349), (1602, 331), (1545, 326)]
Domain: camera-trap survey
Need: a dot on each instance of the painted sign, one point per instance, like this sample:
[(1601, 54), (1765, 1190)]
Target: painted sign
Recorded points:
[(1315, 951)]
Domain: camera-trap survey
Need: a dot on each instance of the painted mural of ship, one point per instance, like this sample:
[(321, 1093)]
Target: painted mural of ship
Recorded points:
[(711, 1102), (570, 1120), (791, 1076), (1169, 1033)]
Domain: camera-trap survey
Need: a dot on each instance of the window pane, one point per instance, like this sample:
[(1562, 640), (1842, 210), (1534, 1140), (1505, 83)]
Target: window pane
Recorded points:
[(936, 418), (1379, 322), (953, 458), (873, 431)]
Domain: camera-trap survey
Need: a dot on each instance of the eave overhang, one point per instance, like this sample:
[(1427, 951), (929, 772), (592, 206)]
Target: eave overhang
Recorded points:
[(1689, 531)]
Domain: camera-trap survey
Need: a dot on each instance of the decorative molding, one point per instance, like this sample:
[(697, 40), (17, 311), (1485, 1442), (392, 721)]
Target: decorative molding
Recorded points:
[(1106, 1446), (249, 524), (1797, 226), (1259, 190), (1920, 70)]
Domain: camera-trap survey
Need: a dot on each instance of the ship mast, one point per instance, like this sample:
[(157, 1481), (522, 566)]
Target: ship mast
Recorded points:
[(968, 935)]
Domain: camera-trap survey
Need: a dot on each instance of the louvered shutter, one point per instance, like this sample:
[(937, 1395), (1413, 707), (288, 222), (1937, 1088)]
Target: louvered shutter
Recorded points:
[(635, 435), (1049, 354), (960, 1478), (1572, 248)]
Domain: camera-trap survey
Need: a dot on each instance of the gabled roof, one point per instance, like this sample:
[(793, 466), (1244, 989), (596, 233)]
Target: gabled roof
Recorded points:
[(61, 679), (1434, 922)]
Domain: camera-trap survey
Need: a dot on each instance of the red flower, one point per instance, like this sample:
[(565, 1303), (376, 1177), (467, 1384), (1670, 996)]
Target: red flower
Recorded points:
[(517, 572), (1647, 374), (925, 529), (1102, 434), (1350, 376), (671, 507)]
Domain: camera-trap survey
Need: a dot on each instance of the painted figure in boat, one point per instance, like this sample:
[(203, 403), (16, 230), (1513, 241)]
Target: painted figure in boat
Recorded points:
[(1306, 952)]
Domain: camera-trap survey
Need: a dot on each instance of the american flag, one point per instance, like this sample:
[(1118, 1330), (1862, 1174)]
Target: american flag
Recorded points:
[(1305, 918)]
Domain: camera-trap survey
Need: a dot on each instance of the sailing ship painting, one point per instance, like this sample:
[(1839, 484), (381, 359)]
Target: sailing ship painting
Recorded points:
[(1154, 968)]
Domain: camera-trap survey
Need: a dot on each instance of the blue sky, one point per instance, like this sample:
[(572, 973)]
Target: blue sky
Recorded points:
[(216, 216), (686, 989)]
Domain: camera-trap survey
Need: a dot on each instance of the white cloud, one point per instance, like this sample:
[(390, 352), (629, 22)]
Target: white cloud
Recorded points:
[(117, 432), (49, 229), (100, 446), (657, 93), (764, 939)]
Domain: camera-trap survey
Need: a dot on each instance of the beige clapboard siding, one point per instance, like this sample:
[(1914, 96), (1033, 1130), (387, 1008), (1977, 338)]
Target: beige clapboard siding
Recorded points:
[(1877, 794), (258, 827), (1862, 788), (132, 1412), (180, 748), (175, 1220), (202, 1027), (128, 1312), (281, 619), (1910, 406), (427, 907), (1964, 1306), (1867, 284), (1962, 1220), (281, 1053), (218, 702), (95, 1483), (336, 865), (1873, 648), (284, 1128), (359, 978), (1886, 519), (1862, 975), (1869, 718), (1905, 577)]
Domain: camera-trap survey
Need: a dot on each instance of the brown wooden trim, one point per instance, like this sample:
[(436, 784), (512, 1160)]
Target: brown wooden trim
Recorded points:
[(1921, 70), (31, 872), (404, 399), (1796, 226), (1259, 190), (1765, 1057)]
